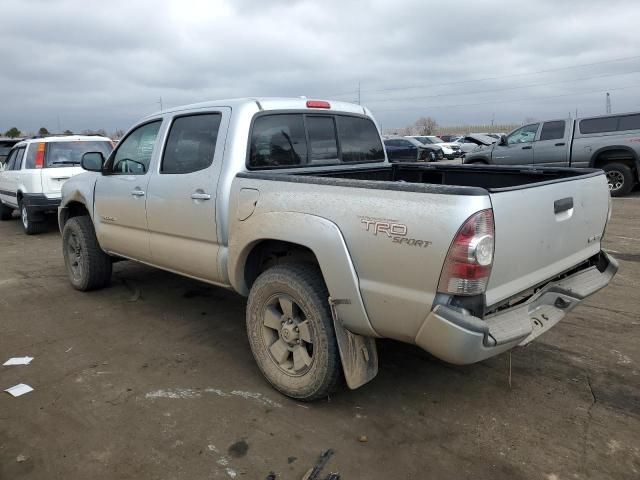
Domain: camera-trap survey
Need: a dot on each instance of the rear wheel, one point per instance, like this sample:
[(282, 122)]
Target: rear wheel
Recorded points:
[(620, 179), (88, 267), (290, 330), (6, 212), (31, 223)]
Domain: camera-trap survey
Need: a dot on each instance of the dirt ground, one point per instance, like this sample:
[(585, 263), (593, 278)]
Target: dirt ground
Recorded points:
[(152, 378)]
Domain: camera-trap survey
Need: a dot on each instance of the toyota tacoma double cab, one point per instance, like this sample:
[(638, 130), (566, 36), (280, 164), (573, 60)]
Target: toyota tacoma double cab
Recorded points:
[(609, 142), (293, 203)]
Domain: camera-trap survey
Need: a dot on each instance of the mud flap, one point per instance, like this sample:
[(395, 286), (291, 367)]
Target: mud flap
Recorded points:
[(359, 354)]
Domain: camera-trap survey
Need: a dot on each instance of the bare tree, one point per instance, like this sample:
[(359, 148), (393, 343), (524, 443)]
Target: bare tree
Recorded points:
[(426, 126), (118, 134)]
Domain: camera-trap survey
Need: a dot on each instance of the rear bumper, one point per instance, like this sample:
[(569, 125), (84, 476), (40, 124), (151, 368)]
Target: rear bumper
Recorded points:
[(462, 339), (36, 202)]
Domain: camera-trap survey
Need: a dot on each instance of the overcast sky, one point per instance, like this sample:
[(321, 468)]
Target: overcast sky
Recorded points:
[(89, 65)]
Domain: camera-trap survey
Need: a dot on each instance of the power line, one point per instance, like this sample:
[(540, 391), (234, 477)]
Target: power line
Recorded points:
[(394, 99), (423, 107), (408, 87)]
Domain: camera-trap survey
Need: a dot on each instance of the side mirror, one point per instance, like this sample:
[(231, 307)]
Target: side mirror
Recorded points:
[(503, 141), (92, 161)]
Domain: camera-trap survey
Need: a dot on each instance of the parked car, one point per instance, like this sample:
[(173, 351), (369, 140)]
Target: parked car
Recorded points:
[(469, 143), (293, 203), (447, 138), (35, 171), (450, 150), (6, 144), (610, 142), (408, 149)]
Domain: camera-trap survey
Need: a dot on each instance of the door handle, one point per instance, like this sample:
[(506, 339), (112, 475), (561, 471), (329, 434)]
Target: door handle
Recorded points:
[(137, 193), (560, 144), (529, 147), (200, 196), (562, 205)]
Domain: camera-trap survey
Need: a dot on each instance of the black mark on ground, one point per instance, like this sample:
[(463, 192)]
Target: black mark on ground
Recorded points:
[(238, 449)]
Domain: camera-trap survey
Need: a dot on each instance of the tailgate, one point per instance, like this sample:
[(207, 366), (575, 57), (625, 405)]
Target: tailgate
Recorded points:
[(54, 177), (544, 230)]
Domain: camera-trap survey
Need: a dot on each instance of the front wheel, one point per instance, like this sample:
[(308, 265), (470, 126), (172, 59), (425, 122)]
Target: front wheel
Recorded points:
[(291, 333), (88, 267), (620, 179)]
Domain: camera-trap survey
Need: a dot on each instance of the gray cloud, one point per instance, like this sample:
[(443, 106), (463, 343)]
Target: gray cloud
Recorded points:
[(105, 66)]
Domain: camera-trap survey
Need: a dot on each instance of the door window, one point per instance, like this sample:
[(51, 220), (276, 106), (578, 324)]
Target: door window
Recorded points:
[(191, 143), (524, 134), (11, 158), (552, 130), (17, 162), (134, 153)]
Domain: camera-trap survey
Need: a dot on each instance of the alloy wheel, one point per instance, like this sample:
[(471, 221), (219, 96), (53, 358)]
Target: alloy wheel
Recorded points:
[(287, 334)]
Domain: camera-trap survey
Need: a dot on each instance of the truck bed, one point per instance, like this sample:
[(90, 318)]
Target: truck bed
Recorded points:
[(446, 179), (547, 220)]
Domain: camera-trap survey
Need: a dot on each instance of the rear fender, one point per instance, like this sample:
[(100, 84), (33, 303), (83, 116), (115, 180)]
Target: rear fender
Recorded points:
[(319, 235)]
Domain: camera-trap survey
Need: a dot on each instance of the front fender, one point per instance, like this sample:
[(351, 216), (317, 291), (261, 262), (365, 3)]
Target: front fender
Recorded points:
[(319, 235), (78, 189)]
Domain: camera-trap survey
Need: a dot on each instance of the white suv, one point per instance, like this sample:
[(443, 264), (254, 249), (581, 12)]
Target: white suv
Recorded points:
[(34, 171)]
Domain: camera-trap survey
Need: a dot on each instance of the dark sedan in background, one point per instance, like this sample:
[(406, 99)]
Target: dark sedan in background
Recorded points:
[(404, 149)]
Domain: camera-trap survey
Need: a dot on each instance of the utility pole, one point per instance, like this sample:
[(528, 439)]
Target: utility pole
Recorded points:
[(59, 129), (358, 92), (608, 103), (160, 102)]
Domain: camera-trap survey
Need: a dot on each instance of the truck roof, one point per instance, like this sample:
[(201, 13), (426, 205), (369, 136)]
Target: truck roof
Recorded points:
[(270, 103)]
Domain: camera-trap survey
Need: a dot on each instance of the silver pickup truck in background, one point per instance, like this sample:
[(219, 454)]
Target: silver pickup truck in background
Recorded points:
[(609, 142), (293, 203)]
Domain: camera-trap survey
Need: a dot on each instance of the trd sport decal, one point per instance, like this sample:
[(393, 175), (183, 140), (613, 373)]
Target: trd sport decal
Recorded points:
[(397, 232)]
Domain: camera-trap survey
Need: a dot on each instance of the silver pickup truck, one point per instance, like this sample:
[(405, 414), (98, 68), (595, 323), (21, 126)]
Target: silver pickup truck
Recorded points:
[(610, 142), (293, 203)]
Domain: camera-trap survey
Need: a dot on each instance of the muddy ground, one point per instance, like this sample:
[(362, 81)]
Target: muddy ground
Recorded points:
[(152, 378)]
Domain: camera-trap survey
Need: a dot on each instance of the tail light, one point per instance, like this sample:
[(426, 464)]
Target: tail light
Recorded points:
[(468, 264), (40, 151)]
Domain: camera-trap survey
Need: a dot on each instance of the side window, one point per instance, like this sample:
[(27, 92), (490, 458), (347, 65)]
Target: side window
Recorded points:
[(599, 125), (11, 158), (629, 122), (17, 164), (524, 134), (552, 130), (359, 140), (323, 144), (134, 153), (278, 140), (191, 143)]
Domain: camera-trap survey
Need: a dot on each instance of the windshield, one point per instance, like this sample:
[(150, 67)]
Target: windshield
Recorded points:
[(60, 154)]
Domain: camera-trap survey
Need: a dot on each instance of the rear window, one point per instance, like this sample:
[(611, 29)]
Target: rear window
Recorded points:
[(599, 125), (287, 140), (64, 154)]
